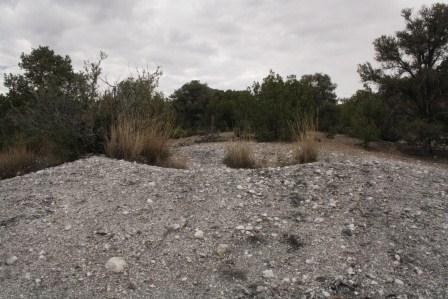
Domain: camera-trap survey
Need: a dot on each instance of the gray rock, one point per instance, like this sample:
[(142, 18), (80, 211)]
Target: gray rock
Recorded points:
[(116, 264), (199, 234), (268, 274), (222, 249), (10, 260)]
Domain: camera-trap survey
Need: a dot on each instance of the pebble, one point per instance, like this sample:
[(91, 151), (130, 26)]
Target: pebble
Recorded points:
[(399, 281), (199, 234), (418, 271), (116, 264), (268, 274), (11, 259), (318, 220), (222, 249)]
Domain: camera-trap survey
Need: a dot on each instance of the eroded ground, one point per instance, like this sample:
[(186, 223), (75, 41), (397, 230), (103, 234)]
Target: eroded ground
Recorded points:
[(348, 226)]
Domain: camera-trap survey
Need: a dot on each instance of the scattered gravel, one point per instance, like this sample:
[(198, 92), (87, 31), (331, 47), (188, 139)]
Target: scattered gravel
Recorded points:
[(345, 227)]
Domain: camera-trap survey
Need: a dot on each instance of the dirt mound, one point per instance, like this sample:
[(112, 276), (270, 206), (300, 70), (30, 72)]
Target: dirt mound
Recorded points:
[(352, 227)]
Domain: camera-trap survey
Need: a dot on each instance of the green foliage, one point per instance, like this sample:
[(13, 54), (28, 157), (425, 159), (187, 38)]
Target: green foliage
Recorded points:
[(363, 116), (413, 74), (191, 105), (280, 103), (60, 112), (50, 103)]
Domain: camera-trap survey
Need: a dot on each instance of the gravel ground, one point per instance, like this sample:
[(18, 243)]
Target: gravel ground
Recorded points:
[(343, 227)]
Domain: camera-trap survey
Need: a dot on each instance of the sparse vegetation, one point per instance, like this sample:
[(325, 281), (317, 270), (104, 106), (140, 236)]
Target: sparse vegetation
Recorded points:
[(306, 147), (404, 99), (146, 141), (239, 154), (16, 160)]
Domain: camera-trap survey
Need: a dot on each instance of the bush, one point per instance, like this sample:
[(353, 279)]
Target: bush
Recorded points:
[(135, 139), (239, 154), (306, 149)]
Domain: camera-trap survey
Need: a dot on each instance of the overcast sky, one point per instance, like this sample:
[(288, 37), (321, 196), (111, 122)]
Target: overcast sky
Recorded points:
[(228, 44)]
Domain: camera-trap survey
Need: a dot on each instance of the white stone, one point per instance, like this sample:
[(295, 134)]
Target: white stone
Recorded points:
[(268, 274), (199, 234), (11, 259), (240, 227), (116, 264), (399, 281), (318, 220)]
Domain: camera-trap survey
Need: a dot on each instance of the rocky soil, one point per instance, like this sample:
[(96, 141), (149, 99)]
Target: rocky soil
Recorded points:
[(344, 227)]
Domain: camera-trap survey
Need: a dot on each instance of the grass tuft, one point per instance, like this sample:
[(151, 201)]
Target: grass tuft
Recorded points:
[(306, 149), (239, 154), (15, 161), (145, 141)]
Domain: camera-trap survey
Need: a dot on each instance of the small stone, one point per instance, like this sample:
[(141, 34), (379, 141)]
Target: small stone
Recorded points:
[(116, 264), (348, 232), (260, 289), (319, 220), (150, 201), (240, 227), (222, 249), (67, 227), (326, 294), (399, 281), (418, 271), (351, 271), (184, 278), (389, 279), (199, 234), (11, 259), (268, 274)]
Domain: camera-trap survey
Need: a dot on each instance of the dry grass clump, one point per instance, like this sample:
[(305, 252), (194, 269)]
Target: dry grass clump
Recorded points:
[(306, 148), (239, 154), (146, 141), (15, 161)]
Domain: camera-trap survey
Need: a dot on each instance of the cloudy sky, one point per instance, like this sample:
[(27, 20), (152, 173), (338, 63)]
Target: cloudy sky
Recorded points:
[(228, 44)]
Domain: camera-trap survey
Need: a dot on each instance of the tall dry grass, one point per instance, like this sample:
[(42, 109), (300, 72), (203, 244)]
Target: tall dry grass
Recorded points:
[(15, 161), (239, 154), (134, 139), (306, 147)]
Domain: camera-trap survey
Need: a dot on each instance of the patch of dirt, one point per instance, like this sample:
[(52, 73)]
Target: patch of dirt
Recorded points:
[(347, 226)]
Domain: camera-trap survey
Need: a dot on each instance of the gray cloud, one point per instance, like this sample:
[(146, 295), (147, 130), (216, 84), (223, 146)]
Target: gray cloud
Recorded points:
[(226, 44)]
